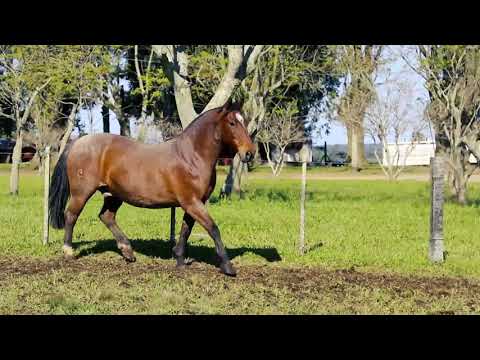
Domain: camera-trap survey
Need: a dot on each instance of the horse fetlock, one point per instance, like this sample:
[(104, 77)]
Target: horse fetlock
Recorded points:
[(68, 253), (178, 252), (127, 252), (180, 263)]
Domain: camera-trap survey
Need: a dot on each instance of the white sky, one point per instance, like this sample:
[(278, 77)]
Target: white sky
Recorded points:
[(93, 119)]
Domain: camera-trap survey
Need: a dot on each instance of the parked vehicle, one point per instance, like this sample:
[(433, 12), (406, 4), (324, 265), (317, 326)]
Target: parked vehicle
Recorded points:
[(6, 151)]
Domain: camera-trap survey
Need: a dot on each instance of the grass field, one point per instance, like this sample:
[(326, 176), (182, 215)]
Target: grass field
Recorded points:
[(367, 240)]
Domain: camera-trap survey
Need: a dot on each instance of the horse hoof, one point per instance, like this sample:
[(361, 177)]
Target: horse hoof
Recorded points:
[(130, 259), (180, 267), (68, 253), (68, 257), (128, 256), (180, 262), (228, 269)]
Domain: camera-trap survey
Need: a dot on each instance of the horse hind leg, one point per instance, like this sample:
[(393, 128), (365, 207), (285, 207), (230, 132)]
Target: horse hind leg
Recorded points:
[(180, 249), (73, 211), (107, 216)]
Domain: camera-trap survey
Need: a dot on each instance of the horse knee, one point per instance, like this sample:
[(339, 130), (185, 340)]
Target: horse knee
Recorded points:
[(106, 218)]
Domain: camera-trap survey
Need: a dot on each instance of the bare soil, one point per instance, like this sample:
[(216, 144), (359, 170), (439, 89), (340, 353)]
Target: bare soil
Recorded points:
[(298, 280)]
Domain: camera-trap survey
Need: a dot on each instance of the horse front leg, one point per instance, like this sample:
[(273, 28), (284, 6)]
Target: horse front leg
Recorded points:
[(197, 210)]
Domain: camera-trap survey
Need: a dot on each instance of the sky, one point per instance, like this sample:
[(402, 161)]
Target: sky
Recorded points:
[(396, 70), (338, 135)]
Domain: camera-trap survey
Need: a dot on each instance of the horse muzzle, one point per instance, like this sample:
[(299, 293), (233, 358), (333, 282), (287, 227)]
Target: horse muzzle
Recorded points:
[(247, 157)]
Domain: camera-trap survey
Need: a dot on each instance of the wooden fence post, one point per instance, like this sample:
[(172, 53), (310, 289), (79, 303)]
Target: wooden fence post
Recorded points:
[(46, 189), (303, 155), (436, 249), (172, 226)]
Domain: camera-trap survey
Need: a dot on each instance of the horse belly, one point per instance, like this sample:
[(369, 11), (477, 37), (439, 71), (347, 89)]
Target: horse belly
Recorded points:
[(143, 190)]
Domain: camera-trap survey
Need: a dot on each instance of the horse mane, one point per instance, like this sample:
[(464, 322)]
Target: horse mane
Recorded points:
[(237, 106)]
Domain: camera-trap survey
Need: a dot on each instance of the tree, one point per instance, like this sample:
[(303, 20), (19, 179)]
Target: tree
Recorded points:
[(357, 64), (394, 117), (149, 97), (280, 130), (452, 78), (20, 86), (235, 62), (295, 76), (43, 87), (241, 61), (81, 76), (114, 94)]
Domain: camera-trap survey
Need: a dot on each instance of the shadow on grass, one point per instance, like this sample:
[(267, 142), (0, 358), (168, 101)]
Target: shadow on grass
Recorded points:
[(162, 249)]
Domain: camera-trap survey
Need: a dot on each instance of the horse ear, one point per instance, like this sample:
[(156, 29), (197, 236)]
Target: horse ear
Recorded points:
[(240, 104), (227, 105)]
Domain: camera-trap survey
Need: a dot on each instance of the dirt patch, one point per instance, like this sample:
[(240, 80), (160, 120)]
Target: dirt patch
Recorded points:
[(298, 280)]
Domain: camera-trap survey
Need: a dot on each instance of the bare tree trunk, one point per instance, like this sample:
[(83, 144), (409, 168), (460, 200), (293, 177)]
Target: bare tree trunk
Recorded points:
[(69, 130), (106, 119), (460, 187), (462, 194), (16, 161), (280, 164), (240, 170), (349, 143), (230, 80), (124, 123), (177, 71), (459, 179), (17, 150), (233, 182), (358, 147), (66, 137)]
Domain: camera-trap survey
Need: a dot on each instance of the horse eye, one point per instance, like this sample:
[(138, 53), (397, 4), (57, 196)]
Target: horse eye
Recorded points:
[(232, 123)]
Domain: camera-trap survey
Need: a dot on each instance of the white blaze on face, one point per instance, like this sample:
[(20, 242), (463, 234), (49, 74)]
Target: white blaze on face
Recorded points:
[(239, 118)]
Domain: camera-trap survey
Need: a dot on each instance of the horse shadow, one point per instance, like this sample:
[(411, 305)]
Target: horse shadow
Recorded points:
[(160, 248)]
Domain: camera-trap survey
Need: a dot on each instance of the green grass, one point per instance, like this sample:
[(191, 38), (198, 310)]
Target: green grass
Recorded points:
[(118, 291), (372, 226)]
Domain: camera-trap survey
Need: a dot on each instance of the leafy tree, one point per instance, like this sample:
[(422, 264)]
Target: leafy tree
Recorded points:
[(21, 83), (44, 87), (452, 75), (280, 129), (357, 65)]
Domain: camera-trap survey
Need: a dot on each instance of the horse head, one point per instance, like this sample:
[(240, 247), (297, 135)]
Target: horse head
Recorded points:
[(234, 134)]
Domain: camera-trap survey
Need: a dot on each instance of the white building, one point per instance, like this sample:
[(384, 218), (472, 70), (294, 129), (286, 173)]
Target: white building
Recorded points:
[(294, 152), (419, 155)]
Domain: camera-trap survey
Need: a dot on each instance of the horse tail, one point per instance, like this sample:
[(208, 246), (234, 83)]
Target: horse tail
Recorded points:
[(59, 191)]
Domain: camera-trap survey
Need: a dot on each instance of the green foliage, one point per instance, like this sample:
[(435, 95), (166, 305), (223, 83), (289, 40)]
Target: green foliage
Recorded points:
[(304, 75), (159, 97), (207, 64)]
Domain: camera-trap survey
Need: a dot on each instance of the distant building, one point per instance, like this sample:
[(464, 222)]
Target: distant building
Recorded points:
[(292, 153), (419, 155)]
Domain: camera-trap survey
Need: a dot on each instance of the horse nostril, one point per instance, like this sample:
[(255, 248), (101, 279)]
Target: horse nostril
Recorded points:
[(248, 156)]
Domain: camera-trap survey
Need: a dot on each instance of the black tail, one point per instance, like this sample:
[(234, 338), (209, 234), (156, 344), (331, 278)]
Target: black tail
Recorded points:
[(59, 192)]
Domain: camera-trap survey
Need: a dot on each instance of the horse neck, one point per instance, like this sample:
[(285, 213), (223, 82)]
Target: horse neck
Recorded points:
[(198, 141)]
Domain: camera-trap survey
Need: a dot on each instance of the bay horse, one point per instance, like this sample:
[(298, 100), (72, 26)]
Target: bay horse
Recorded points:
[(180, 172)]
